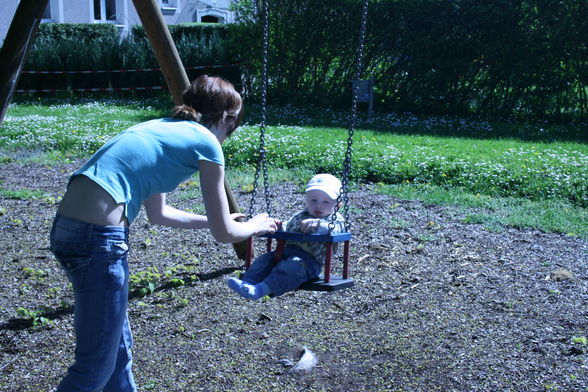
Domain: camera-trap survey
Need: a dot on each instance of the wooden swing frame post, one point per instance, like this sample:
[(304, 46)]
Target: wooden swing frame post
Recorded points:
[(18, 41)]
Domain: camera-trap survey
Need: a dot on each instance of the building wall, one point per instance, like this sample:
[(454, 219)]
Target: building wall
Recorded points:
[(8, 9), (125, 15)]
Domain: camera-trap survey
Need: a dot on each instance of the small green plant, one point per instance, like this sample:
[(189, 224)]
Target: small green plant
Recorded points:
[(35, 274), (53, 291), (24, 289), (355, 210), (398, 224), (34, 316), (177, 282), (170, 271), (425, 238), (144, 282), (182, 302), (580, 340)]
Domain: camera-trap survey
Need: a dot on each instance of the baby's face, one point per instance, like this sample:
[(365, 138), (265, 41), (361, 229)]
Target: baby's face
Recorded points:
[(319, 204)]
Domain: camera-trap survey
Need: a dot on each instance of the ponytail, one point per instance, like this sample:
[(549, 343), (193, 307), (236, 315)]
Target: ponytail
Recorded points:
[(185, 112)]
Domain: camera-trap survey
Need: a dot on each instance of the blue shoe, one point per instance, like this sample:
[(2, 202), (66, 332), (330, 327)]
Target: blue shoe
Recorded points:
[(235, 284), (254, 292)]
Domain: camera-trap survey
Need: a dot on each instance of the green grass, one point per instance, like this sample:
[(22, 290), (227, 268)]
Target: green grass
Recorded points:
[(525, 175), (72, 129), (494, 212), (24, 194), (498, 167)]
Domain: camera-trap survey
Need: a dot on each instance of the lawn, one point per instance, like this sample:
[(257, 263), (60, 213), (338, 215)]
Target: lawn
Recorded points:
[(529, 175), (457, 288)]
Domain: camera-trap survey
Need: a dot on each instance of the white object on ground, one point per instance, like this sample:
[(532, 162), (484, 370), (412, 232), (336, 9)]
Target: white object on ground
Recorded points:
[(306, 362)]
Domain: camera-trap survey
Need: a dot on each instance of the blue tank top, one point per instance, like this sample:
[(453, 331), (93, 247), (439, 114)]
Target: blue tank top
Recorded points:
[(151, 157)]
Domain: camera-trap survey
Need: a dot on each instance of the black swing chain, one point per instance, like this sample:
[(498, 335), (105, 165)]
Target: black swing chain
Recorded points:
[(261, 157), (344, 197)]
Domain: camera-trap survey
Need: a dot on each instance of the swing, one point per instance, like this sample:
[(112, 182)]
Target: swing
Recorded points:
[(326, 282)]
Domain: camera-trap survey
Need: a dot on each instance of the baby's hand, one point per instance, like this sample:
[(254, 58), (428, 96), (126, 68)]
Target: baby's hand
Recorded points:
[(309, 225)]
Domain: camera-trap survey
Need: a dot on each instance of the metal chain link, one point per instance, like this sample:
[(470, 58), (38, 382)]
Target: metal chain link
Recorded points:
[(344, 196), (261, 157)]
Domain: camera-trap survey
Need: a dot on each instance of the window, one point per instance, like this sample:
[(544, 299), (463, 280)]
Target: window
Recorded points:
[(209, 19), (169, 5), (212, 15), (105, 10)]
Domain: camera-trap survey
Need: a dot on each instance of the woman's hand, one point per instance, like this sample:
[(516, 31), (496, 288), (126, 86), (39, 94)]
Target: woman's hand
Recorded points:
[(221, 222), (264, 224)]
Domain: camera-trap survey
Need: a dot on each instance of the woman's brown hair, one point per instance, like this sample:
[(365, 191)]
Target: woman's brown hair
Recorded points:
[(210, 100)]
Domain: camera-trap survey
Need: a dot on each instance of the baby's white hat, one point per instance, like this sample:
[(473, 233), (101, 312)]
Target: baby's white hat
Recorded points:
[(326, 183)]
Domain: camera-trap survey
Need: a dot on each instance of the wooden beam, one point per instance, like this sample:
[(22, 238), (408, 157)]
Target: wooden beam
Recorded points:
[(163, 47), (175, 75), (17, 43)]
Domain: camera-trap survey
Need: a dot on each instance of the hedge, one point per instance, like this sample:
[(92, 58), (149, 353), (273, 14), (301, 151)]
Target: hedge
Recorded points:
[(98, 47)]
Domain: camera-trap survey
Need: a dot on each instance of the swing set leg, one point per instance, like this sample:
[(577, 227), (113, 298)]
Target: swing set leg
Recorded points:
[(328, 259), (249, 254), (346, 260)]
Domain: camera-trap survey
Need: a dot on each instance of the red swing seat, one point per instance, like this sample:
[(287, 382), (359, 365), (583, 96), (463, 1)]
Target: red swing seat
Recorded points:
[(326, 282)]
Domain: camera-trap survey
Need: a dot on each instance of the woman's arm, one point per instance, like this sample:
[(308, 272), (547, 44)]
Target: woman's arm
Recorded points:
[(159, 213), (223, 226)]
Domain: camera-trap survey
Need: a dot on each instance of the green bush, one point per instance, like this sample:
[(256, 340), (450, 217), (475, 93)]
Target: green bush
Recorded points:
[(503, 58), (195, 31), (82, 47), (84, 32)]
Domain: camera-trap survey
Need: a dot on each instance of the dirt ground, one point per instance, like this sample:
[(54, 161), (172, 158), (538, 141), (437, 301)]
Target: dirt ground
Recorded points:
[(438, 305)]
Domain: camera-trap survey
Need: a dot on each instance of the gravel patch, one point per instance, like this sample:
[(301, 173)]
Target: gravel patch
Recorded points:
[(438, 305)]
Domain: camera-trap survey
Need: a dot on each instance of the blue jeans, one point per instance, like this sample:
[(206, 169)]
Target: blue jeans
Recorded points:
[(295, 267), (94, 259)]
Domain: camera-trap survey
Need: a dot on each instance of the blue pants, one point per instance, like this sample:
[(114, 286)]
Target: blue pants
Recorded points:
[(295, 267), (94, 259)]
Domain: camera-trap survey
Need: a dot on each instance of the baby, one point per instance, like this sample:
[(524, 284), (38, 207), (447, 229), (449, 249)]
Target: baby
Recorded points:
[(300, 261)]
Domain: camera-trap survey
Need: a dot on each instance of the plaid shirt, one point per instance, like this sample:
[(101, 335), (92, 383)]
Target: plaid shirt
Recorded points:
[(317, 250)]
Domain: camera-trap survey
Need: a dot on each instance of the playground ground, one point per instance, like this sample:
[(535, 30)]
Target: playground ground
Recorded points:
[(439, 304)]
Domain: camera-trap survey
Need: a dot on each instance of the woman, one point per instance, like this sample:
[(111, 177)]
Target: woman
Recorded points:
[(90, 231)]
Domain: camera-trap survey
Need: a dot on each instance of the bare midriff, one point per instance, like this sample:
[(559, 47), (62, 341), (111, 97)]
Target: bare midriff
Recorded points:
[(88, 202)]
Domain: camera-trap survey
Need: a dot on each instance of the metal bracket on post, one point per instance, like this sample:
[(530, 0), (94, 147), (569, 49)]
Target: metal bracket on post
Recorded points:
[(365, 93)]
